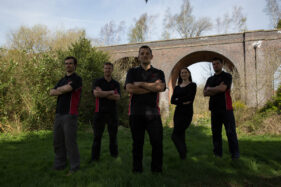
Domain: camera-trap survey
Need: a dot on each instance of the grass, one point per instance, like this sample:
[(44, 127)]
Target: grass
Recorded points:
[(26, 160)]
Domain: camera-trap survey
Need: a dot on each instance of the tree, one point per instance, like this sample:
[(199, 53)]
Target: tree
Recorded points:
[(139, 33), (236, 22), (63, 39), (110, 33), (273, 10), (39, 38), (31, 39), (184, 23)]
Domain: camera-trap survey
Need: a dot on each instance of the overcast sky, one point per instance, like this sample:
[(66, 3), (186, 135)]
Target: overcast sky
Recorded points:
[(91, 15)]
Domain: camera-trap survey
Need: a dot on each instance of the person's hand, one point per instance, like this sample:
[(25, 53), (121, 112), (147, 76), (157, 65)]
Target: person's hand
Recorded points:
[(139, 84), (98, 88)]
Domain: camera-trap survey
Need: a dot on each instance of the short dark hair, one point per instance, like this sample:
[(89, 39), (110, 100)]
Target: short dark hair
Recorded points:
[(145, 47), (180, 79), (217, 59), (73, 58), (108, 63)]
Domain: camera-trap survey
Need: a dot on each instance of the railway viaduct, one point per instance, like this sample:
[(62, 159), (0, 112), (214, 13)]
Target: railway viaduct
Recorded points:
[(251, 56)]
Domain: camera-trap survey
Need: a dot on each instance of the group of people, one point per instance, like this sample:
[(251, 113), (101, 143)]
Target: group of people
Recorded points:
[(143, 83)]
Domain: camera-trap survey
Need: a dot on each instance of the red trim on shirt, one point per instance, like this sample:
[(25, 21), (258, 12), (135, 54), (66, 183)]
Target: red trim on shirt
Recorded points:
[(97, 109), (74, 101), (157, 103), (228, 101), (130, 102)]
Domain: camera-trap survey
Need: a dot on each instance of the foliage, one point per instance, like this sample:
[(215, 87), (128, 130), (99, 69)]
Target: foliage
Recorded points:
[(274, 104), (39, 39), (139, 32), (263, 121), (26, 78), (90, 67)]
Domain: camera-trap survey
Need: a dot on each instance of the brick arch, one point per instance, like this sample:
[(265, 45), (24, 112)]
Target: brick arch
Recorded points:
[(196, 57), (126, 62)]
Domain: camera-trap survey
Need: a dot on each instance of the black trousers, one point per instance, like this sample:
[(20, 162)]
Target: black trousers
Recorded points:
[(181, 123), (226, 118), (100, 119), (153, 125), (65, 145)]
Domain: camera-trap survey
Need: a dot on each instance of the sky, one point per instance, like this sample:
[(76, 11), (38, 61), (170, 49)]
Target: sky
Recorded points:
[(91, 15)]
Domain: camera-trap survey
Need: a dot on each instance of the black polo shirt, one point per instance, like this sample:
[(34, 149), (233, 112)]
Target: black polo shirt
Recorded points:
[(104, 105), (68, 103), (144, 104), (221, 101)]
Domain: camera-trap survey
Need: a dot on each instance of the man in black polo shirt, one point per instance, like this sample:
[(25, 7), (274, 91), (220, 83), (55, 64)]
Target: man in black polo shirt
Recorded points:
[(218, 88), (68, 90), (107, 92), (144, 84)]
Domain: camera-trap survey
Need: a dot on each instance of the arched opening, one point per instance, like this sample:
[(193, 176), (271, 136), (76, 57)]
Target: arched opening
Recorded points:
[(122, 65), (201, 56), (195, 61)]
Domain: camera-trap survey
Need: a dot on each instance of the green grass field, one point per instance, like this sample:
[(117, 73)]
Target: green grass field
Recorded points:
[(26, 160)]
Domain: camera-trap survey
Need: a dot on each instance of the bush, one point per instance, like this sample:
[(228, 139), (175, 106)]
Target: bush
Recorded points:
[(26, 78)]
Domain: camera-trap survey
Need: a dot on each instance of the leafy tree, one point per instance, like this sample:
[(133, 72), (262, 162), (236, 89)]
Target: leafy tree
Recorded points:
[(39, 38), (139, 32), (30, 39), (26, 78)]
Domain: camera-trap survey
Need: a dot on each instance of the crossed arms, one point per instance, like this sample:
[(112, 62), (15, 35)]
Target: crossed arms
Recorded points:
[(61, 90), (211, 91), (111, 95), (145, 87)]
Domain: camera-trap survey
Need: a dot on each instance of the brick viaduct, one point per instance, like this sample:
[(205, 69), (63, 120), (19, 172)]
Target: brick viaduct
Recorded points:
[(252, 55)]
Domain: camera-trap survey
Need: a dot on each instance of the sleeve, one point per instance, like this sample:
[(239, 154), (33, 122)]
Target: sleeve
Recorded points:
[(129, 77), (58, 84), (207, 83), (190, 94), (118, 88), (228, 80), (162, 78), (95, 84), (76, 82), (174, 99)]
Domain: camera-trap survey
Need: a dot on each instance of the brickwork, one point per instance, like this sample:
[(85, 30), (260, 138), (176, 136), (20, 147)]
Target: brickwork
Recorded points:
[(238, 51)]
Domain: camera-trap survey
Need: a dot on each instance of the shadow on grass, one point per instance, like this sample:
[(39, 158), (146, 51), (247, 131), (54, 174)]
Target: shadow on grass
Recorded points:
[(26, 160)]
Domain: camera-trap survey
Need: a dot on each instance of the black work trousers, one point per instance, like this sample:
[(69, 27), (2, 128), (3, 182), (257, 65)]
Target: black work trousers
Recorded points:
[(226, 118), (153, 125), (65, 145), (181, 123), (100, 119)]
